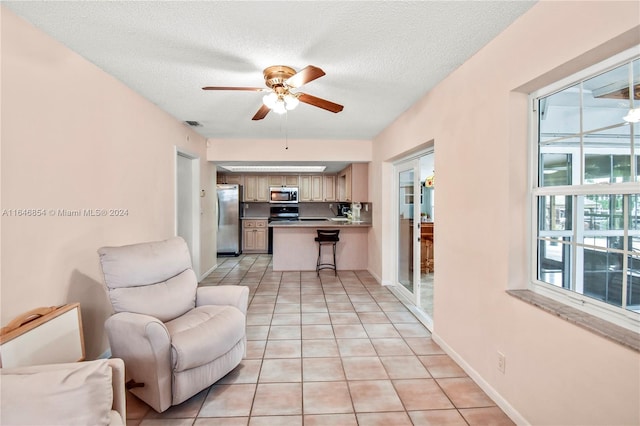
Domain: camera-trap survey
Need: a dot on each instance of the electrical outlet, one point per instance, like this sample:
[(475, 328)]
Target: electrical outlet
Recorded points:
[(330, 206), (502, 362)]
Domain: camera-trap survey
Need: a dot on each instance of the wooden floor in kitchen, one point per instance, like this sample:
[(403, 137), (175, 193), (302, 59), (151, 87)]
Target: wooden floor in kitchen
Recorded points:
[(333, 351)]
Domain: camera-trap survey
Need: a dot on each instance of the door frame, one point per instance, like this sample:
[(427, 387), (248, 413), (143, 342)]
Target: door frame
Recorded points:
[(410, 300), (195, 205)]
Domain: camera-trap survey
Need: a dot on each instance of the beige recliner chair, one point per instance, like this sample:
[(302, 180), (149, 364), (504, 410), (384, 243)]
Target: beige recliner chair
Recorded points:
[(175, 338)]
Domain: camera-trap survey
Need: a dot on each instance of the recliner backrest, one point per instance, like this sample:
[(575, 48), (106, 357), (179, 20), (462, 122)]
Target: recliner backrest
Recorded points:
[(154, 278)]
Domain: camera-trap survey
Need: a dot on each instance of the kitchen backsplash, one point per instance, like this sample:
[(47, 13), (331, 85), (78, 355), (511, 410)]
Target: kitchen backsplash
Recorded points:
[(306, 210)]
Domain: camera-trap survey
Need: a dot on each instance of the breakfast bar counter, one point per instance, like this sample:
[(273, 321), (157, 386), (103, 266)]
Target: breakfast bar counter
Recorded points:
[(295, 249)]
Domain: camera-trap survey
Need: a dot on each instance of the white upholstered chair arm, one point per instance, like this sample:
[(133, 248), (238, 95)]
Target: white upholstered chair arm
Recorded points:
[(234, 295), (119, 391), (144, 343)]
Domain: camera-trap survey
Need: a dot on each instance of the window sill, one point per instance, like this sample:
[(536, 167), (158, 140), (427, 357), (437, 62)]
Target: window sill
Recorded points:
[(589, 322)]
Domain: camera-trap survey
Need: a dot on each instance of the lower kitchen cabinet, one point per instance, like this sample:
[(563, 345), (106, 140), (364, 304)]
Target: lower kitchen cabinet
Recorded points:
[(254, 236)]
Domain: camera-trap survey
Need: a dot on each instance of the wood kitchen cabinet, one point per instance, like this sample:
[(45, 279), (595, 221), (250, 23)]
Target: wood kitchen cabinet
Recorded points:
[(317, 188), (283, 180), (256, 188), (353, 183), (254, 236), (233, 179), (329, 188), (310, 188)]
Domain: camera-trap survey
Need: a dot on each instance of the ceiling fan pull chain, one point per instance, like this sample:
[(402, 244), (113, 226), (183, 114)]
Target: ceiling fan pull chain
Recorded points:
[(286, 130)]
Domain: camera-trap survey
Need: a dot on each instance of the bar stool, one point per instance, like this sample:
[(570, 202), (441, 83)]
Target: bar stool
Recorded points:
[(327, 237)]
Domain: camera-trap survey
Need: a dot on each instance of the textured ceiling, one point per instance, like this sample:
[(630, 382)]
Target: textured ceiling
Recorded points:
[(379, 57)]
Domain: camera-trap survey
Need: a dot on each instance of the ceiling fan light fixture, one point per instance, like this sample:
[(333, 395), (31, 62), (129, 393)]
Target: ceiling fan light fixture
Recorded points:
[(280, 79), (290, 101), (270, 100), (279, 107)]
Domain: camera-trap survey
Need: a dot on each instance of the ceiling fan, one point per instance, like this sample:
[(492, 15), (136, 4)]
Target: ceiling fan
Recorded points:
[(280, 79)]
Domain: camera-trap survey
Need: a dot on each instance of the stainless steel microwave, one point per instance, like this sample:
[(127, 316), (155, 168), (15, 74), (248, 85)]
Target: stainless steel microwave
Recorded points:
[(279, 194)]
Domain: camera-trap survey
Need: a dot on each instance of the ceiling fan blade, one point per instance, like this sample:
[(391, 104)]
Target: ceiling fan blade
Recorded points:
[(262, 113), (319, 102), (250, 89), (304, 76)]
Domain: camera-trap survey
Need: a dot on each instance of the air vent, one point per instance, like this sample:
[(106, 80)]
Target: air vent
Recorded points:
[(193, 123)]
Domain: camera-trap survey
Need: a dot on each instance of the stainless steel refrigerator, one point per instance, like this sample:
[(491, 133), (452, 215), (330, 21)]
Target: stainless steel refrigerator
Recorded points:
[(229, 226)]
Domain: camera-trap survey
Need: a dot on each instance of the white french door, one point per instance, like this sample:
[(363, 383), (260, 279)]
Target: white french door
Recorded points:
[(408, 229)]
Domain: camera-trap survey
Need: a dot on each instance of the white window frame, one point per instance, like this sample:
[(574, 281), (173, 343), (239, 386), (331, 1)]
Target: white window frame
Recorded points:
[(617, 315)]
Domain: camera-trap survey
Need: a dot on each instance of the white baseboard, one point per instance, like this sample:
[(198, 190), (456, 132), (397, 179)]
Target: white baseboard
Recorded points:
[(206, 274), (379, 279), (374, 275), (504, 405)]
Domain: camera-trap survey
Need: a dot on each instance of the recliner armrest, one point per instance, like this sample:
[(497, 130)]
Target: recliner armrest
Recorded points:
[(144, 344), (234, 295)]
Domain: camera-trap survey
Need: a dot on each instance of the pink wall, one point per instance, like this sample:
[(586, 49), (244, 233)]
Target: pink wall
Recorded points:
[(73, 137), (556, 372), (299, 150)]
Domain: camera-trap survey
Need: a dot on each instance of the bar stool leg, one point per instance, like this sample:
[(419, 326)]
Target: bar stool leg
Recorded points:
[(318, 261), (335, 266)]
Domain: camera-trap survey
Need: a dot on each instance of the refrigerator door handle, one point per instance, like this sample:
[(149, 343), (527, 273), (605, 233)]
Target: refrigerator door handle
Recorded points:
[(218, 210)]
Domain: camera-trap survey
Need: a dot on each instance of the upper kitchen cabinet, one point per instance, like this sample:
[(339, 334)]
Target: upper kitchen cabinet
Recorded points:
[(317, 188), (256, 188), (353, 183), (233, 179), (329, 188), (310, 188), (283, 180)]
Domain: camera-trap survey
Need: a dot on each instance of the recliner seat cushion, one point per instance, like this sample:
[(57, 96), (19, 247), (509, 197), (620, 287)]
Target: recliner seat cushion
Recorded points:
[(204, 334), (165, 300)]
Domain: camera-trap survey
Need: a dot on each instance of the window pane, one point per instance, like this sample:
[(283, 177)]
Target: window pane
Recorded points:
[(554, 212), (603, 241), (607, 168), (613, 137), (633, 284), (621, 165), (606, 99), (636, 84), (556, 169), (634, 212), (603, 212), (559, 114), (597, 168), (602, 277), (553, 262)]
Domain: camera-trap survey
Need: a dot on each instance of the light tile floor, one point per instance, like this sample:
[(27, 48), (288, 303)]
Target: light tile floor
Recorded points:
[(328, 351)]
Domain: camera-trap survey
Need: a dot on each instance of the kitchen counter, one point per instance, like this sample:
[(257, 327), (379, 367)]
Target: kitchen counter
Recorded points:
[(295, 249), (319, 223)]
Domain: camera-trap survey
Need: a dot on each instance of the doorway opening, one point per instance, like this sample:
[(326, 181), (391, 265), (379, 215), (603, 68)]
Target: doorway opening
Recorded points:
[(187, 203), (415, 225)]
